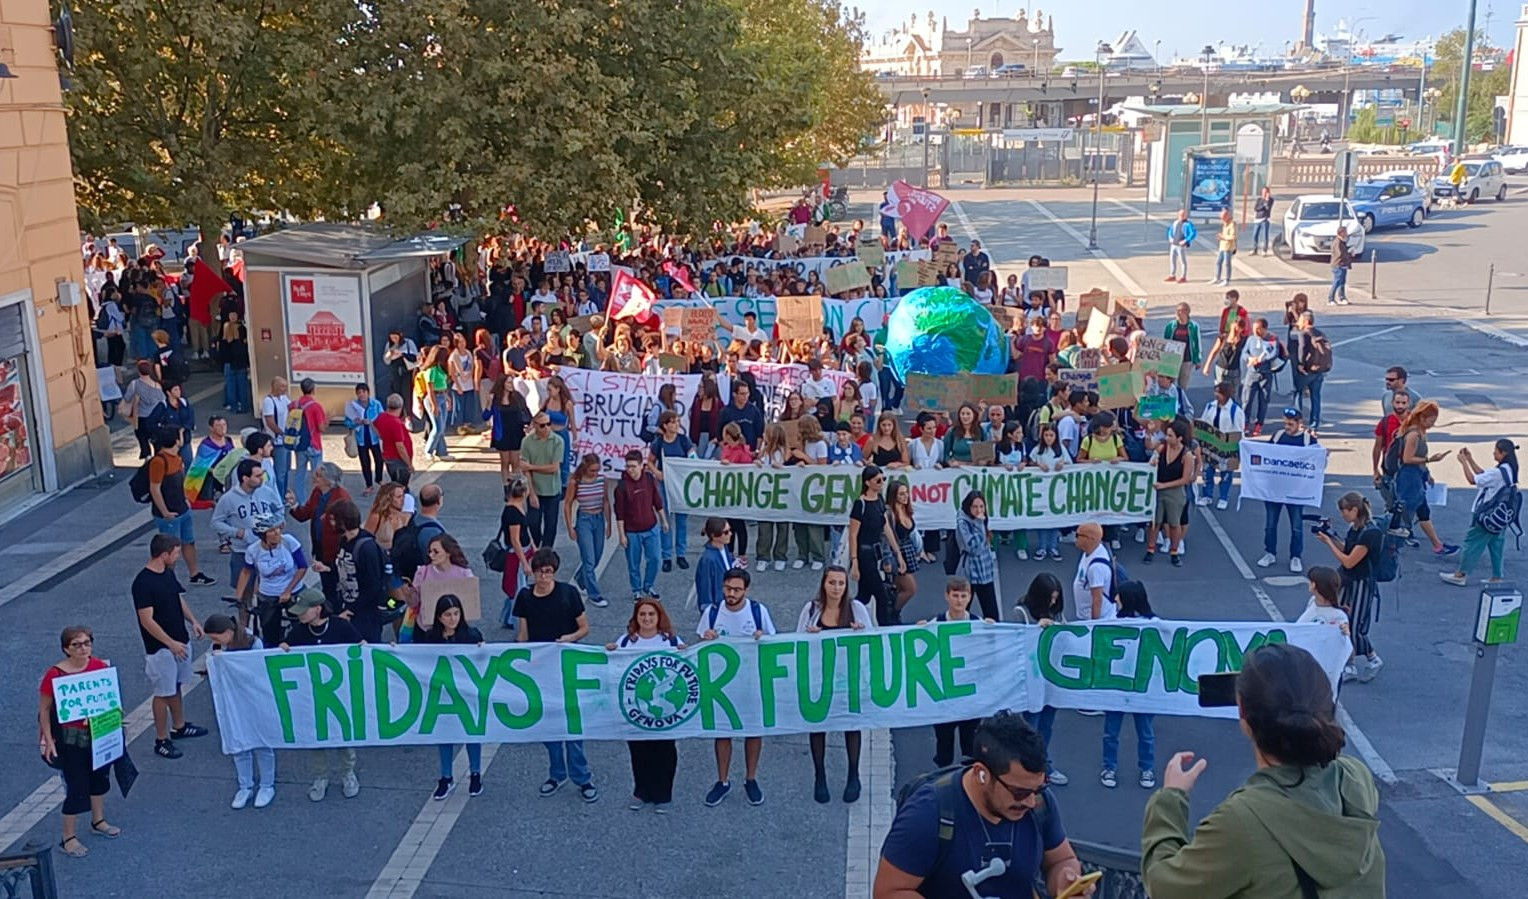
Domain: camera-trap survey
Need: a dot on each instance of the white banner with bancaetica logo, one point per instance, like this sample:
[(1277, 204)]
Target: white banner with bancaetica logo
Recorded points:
[(786, 684), (1278, 473)]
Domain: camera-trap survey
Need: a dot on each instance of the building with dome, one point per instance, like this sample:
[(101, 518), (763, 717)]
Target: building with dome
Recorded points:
[(927, 47)]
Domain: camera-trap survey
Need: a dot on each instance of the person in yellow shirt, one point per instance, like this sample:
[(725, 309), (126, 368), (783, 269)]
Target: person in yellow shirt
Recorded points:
[(1227, 248)]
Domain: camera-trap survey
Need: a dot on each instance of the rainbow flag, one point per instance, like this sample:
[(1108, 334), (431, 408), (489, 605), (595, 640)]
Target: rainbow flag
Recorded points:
[(209, 471)]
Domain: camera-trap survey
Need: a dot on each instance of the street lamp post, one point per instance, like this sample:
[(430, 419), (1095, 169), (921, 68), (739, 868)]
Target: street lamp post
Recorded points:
[(1098, 136), (1462, 105), (1430, 97), (928, 133), (1036, 42), (1207, 54), (1156, 57)]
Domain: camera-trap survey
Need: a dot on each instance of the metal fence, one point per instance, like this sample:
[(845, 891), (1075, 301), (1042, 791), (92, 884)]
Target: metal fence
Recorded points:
[(28, 874), (990, 158), (1122, 870)]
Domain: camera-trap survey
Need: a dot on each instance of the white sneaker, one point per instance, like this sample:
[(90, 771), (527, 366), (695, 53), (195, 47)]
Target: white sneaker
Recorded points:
[(1223, 505), (1349, 672), (241, 798), (265, 796), (798, 564), (1267, 560), (1114, 544), (1205, 501), (1140, 535), (1163, 544), (319, 790), (779, 564), (1182, 547), (816, 566), (1371, 668), (351, 786), (1022, 555), (762, 566), (1295, 566)]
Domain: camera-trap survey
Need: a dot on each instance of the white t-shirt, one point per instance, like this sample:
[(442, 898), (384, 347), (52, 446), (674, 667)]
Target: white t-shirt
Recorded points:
[(735, 624), (923, 456), (1322, 614), (1487, 484), (870, 395), (817, 451), (274, 568), (275, 408), (1090, 575), (819, 389), (740, 332), (1069, 431), (656, 641)]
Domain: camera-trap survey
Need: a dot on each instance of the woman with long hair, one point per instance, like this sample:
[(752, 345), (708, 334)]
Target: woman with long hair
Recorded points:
[(833, 609), (485, 365), (1360, 592), (519, 543), (899, 502), (965, 430), (1044, 605), (461, 366), (386, 515), (847, 403), (974, 537), (1175, 471), (450, 627), (773, 543), (794, 406), (508, 415), (586, 509), (1412, 478), (432, 400), (887, 447), (1322, 805), (1486, 533), (706, 418), (653, 762), (143, 403), (870, 532), (559, 407), (66, 747)]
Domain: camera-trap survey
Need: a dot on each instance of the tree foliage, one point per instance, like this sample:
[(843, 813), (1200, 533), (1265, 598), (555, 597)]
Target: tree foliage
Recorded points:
[(1485, 86), (567, 109)]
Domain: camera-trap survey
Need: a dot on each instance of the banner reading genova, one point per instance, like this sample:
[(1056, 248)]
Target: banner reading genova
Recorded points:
[(793, 683), (822, 494)]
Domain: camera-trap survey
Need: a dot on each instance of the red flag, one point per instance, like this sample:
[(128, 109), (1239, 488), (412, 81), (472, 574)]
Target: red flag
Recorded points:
[(206, 286), (681, 274), (917, 208), (629, 298)]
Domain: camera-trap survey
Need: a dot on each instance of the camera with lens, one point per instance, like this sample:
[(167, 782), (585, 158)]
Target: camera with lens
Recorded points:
[(1323, 525)]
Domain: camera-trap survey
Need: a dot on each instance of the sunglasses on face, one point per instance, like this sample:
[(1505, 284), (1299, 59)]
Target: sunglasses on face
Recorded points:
[(1022, 794)]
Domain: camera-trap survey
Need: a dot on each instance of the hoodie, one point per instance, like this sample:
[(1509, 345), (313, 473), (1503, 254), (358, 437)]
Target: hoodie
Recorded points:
[(1323, 819), (236, 511)]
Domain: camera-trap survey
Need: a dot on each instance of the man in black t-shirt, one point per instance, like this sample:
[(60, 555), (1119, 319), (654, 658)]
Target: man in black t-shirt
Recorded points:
[(163, 617), (551, 611)]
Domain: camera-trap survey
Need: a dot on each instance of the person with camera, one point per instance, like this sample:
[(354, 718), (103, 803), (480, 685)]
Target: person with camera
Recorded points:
[(1306, 823), (991, 823), (1360, 592)]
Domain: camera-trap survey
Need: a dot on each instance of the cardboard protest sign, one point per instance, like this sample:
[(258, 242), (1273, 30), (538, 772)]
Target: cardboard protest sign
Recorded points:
[(983, 452), (583, 324), (599, 262), (1160, 407), (928, 273), (673, 362), (1157, 355), (691, 323), (946, 254), (792, 430), (816, 236), (847, 277), (1008, 318), (1221, 448), (934, 393), (1118, 386), (1079, 378), (467, 589), (612, 409), (871, 252), (907, 273), (787, 243), (558, 261), (1133, 308), (1089, 357), (1097, 333), (798, 318), (1094, 298), (1046, 277)]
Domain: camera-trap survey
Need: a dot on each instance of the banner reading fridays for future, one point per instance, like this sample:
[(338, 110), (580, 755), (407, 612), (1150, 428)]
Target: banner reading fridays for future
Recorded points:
[(794, 683), (822, 494)]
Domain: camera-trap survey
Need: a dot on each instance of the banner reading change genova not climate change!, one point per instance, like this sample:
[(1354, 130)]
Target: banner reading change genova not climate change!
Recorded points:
[(792, 683), (821, 494)]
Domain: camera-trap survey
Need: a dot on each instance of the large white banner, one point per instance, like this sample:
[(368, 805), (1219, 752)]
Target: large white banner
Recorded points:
[(804, 265), (823, 494), (793, 683), (611, 408), (1283, 474), (778, 380), (325, 339)]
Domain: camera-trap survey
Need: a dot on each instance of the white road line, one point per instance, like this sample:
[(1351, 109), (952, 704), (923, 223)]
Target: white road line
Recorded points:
[(871, 817), (1493, 331), (24, 584), (1349, 340), (1110, 265), (1361, 743), (421, 844)]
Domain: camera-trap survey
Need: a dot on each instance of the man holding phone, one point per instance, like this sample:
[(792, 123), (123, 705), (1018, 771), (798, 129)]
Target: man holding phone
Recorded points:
[(987, 828)]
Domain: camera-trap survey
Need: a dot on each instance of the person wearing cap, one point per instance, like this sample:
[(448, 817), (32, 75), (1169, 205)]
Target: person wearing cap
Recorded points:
[(315, 627), (1294, 434), (275, 564)]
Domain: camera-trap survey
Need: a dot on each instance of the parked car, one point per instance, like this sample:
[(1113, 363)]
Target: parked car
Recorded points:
[(1514, 160), (1417, 182), (1483, 178), (1011, 70), (1311, 223), (976, 72), (1069, 72), (1382, 203)]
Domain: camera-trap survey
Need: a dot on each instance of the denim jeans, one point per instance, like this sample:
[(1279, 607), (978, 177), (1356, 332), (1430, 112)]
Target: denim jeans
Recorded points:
[(891, 388), (1311, 384), (566, 759), (1048, 540), (1223, 264), (282, 460), (1271, 528), (464, 409), (244, 766), (236, 389), (1145, 740), (673, 538), (591, 546), (1261, 230), (543, 520), (1411, 495), (306, 462), (1339, 284), (1225, 482), (474, 758), (640, 546), (1044, 722), (434, 434), (1176, 256)]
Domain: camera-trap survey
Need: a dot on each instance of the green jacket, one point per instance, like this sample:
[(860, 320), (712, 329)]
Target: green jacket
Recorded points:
[(1328, 823), (1191, 351)]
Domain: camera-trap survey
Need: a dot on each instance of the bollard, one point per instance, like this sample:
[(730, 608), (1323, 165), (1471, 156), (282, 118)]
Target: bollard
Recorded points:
[(1490, 279), (1374, 273)]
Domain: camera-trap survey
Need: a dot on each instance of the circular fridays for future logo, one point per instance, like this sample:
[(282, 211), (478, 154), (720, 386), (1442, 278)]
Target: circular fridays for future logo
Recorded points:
[(660, 691)]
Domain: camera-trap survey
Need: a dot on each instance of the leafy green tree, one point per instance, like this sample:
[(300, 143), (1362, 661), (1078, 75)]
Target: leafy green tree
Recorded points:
[(1485, 86)]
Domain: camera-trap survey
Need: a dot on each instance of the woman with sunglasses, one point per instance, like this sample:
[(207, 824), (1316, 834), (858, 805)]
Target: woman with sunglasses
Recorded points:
[(832, 609), (869, 533), (66, 747)]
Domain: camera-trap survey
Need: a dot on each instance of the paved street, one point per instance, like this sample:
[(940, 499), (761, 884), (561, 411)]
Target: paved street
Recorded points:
[(71, 560)]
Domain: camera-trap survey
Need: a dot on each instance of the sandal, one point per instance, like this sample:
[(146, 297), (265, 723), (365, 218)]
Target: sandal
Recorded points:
[(80, 850), (110, 831)]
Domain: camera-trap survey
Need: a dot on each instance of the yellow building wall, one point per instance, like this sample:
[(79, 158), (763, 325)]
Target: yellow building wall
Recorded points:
[(40, 235)]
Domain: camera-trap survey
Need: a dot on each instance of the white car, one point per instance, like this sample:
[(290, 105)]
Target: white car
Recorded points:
[(1483, 177), (1514, 160), (1311, 223)]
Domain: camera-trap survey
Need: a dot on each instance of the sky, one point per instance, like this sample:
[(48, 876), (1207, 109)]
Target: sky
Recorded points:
[(1194, 23)]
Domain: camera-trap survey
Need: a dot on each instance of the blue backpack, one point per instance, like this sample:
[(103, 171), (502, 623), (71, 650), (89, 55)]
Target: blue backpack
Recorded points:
[(755, 608), (1387, 562)]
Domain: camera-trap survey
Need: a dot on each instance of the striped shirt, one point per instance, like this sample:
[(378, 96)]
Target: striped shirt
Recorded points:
[(591, 496)]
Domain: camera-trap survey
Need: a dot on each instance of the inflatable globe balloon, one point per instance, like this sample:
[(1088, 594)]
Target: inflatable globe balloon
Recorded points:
[(944, 331)]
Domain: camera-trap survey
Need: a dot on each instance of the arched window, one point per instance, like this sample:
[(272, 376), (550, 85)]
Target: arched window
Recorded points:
[(995, 63)]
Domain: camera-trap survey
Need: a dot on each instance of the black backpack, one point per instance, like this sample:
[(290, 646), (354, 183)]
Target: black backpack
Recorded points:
[(1390, 464), (947, 794), (139, 484), (406, 554)]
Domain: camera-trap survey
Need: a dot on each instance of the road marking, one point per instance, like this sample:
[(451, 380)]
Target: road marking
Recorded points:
[(1359, 740), (1349, 340), (1110, 265), (1501, 817), (1493, 331), (24, 584), (401, 877), (870, 818), (1509, 786)]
